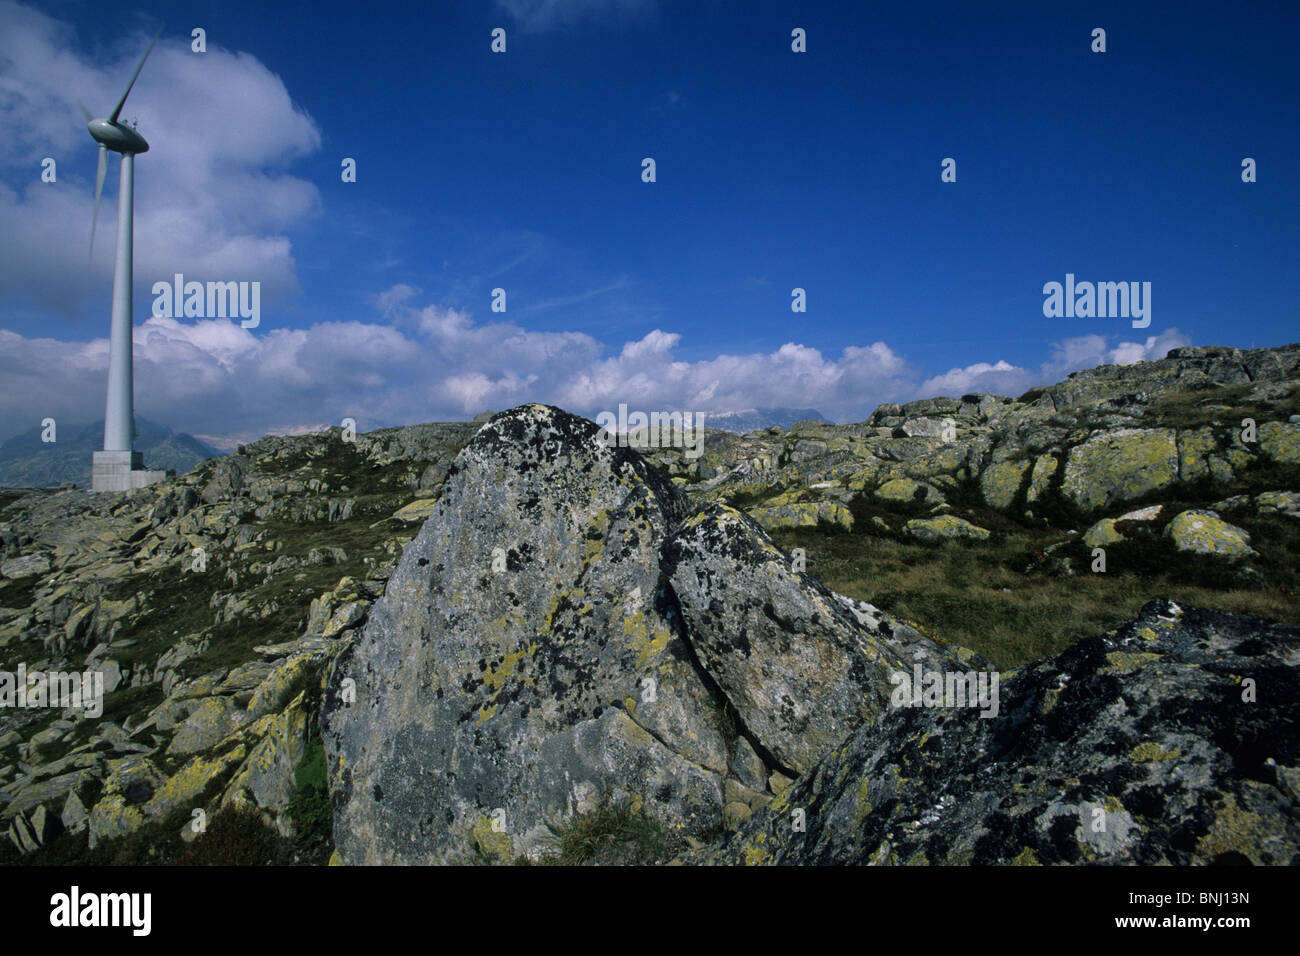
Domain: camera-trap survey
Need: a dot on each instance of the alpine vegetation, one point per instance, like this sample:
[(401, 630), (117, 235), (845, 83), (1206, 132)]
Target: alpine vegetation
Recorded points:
[(515, 640)]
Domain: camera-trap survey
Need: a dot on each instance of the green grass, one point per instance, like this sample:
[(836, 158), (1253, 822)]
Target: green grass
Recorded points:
[(1000, 599), (310, 807), (232, 838), (1216, 405), (615, 836)]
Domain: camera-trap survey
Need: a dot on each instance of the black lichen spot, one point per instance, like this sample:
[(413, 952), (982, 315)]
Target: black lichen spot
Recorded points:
[(1232, 858), (378, 793), (422, 562), (1253, 647), (1146, 801), (138, 791)]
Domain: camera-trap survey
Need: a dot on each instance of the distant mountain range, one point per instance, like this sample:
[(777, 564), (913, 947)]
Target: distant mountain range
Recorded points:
[(28, 462), (747, 420)]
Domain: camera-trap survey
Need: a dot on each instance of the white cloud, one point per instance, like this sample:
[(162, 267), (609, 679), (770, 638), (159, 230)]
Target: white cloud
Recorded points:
[(211, 194), (213, 378), (1070, 355)]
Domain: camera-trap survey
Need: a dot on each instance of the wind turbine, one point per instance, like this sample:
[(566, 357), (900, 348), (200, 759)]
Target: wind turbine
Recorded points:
[(119, 467)]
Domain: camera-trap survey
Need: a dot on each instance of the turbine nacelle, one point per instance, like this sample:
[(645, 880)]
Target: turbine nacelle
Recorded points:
[(117, 136)]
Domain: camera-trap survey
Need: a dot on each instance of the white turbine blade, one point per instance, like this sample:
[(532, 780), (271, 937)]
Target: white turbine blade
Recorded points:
[(99, 187), (84, 112), (122, 102)]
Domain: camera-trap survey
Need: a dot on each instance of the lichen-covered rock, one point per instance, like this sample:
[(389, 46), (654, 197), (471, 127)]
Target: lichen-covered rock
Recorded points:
[(909, 491), (1001, 481), (131, 783), (1045, 468), (1168, 741), (1102, 534), (1280, 441), (417, 510), (26, 566), (804, 514), (943, 528), (31, 830), (1120, 465), (1204, 532), (266, 778), (800, 668), (1106, 532), (525, 660), (215, 719), (1279, 502)]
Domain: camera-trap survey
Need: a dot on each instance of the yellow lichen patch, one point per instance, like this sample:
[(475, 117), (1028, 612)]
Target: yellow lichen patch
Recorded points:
[(1121, 662), (492, 843), (1150, 750), (1026, 857), (646, 642), (1113, 805), (496, 678), (1147, 634), (1001, 481), (756, 856), (572, 596), (1235, 830), (864, 804), (485, 714), (191, 780)]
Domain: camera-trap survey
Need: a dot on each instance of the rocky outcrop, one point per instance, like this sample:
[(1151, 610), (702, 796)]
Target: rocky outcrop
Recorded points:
[(587, 630), (499, 684), (1162, 742), (561, 636), (796, 664)]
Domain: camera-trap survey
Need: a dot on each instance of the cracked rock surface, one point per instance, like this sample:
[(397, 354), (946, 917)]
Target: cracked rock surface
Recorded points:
[(543, 649)]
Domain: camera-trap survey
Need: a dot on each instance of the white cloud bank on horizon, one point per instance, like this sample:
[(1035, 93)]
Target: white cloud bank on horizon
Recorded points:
[(212, 377), (211, 195), (1070, 355)]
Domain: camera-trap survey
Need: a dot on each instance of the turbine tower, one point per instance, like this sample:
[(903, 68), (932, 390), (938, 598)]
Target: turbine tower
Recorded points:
[(119, 467)]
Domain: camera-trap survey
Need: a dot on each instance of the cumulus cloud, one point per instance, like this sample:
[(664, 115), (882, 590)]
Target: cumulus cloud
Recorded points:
[(431, 363), (210, 195), (1069, 355), (538, 16), (212, 377)]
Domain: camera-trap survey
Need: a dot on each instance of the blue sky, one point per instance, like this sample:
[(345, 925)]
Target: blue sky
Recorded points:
[(522, 171)]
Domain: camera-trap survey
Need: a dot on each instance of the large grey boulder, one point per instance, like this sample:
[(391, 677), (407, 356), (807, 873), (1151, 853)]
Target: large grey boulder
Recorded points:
[(560, 636), (1167, 741), (492, 705)]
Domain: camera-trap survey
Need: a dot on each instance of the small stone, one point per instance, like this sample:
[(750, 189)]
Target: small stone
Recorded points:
[(1204, 532)]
